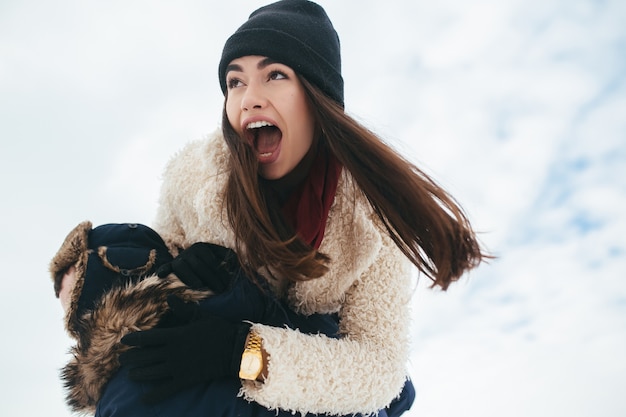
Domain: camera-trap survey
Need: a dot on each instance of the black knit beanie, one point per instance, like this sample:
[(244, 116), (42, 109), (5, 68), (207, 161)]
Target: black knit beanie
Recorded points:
[(297, 33)]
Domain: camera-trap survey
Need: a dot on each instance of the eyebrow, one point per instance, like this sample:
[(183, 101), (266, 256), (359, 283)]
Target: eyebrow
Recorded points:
[(260, 65)]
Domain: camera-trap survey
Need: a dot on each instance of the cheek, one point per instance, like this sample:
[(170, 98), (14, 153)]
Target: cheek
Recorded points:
[(306, 147), (67, 286), (307, 125), (64, 297)]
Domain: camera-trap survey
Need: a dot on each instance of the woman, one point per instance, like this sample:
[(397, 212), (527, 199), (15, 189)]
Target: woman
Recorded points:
[(318, 205)]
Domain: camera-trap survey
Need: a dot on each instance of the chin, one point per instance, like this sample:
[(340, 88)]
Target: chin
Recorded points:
[(270, 177), (272, 173)]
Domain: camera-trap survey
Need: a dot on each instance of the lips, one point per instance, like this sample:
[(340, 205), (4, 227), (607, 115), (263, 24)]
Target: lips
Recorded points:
[(265, 138)]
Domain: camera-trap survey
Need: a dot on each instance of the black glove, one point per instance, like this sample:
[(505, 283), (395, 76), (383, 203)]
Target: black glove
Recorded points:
[(204, 265), (205, 349)]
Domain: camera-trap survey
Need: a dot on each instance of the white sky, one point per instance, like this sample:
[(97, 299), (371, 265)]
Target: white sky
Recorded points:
[(518, 107)]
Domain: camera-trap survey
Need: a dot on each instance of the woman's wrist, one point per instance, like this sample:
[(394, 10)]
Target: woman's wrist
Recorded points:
[(253, 359), (263, 375)]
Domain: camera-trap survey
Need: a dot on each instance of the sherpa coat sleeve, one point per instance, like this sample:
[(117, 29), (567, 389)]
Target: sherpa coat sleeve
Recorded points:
[(368, 284), (360, 372)]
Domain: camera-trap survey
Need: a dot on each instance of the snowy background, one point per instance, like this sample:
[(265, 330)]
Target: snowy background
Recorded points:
[(517, 107)]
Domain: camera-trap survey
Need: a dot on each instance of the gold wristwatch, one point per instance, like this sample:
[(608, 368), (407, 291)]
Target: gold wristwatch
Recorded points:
[(252, 358)]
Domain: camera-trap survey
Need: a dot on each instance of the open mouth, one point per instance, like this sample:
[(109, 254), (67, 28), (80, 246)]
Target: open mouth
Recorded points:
[(265, 138)]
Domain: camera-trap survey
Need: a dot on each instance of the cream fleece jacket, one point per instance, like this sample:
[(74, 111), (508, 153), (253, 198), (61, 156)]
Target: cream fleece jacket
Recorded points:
[(368, 284)]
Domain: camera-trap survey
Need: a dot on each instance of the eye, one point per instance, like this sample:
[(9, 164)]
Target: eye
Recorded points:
[(277, 75), (233, 83)]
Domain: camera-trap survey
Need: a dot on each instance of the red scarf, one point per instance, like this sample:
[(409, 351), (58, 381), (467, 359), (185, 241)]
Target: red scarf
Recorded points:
[(306, 209)]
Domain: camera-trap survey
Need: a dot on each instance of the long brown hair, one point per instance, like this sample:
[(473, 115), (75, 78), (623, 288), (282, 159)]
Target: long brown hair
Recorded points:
[(423, 220)]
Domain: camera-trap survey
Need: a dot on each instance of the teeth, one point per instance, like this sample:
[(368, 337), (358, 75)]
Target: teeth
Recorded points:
[(256, 125), (265, 155)]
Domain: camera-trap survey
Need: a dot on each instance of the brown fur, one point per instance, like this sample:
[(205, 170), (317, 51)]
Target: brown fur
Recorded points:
[(133, 307), (74, 245), (73, 251)]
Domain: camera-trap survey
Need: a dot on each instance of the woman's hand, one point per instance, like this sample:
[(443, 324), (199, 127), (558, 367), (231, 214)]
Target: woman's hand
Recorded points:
[(206, 348), (204, 265)]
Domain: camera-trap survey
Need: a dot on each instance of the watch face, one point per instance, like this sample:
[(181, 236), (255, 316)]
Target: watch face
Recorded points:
[(251, 365)]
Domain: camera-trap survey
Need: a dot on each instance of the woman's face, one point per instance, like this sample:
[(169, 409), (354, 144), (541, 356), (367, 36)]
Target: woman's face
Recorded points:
[(266, 105), (67, 285)]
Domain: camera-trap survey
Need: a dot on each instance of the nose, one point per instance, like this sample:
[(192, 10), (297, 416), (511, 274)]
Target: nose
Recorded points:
[(253, 97)]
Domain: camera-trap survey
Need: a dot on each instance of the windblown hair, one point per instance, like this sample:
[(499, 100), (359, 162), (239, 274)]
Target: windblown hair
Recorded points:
[(423, 220), (263, 240)]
